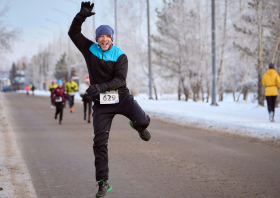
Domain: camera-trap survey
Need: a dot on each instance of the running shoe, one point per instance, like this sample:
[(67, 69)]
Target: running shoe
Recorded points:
[(72, 109), (270, 116), (144, 135), (104, 188)]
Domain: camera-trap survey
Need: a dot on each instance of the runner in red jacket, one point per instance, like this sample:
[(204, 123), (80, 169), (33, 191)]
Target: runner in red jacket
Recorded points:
[(58, 94)]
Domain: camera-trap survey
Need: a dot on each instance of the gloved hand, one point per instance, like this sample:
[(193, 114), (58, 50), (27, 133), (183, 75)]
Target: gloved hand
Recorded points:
[(102, 87), (94, 90), (86, 9)]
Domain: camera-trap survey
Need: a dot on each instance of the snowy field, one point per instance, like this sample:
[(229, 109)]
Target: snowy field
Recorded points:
[(245, 118)]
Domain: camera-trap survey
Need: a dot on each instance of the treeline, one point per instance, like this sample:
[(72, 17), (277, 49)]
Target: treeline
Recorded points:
[(247, 40), (247, 35)]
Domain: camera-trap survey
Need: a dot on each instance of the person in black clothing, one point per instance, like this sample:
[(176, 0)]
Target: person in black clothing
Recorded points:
[(33, 89), (107, 67), (86, 98)]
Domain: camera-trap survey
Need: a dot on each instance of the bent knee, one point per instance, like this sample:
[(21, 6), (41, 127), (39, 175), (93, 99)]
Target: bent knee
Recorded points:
[(142, 124)]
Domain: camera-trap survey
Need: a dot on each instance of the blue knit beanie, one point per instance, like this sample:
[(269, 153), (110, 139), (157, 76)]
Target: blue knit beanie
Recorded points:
[(59, 81), (104, 29)]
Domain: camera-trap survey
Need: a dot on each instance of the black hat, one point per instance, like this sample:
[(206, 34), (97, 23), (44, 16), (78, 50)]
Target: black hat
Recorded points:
[(271, 66)]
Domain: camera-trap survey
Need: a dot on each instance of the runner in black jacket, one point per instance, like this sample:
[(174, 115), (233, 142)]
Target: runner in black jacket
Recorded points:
[(107, 67)]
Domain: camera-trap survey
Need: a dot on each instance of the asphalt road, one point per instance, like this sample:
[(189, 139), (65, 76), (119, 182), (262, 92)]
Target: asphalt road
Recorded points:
[(177, 162)]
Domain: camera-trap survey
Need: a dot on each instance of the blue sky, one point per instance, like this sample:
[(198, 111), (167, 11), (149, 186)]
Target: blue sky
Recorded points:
[(31, 17)]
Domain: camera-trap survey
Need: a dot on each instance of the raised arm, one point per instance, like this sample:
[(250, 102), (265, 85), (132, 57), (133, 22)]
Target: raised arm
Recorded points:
[(81, 42)]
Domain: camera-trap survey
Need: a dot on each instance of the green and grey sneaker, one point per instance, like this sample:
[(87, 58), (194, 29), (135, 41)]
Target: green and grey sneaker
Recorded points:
[(104, 188), (144, 135)]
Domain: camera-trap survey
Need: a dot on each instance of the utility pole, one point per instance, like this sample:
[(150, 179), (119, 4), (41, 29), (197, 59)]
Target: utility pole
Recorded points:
[(115, 22), (41, 73), (50, 30), (149, 52), (214, 72), (59, 27)]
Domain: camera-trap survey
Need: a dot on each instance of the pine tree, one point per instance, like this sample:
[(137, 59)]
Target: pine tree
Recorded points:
[(61, 71), (13, 73)]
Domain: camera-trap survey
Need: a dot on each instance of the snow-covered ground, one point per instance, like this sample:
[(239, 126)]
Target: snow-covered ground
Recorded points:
[(243, 118)]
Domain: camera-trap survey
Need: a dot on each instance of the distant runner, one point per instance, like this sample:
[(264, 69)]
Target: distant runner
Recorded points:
[(32, 88), (71, 87), (51, 88), (58, 94), (86, 99), (271, 81), (27, 88), (107, 67)]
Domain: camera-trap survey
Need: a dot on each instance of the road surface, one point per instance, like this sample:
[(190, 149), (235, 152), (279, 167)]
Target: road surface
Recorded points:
[(177, 162)]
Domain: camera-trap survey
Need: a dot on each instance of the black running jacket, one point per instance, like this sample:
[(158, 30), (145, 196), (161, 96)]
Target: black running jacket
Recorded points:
[(108, 67)]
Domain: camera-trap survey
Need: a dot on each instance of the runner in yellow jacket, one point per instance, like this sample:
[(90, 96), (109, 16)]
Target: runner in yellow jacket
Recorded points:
[(71, 87), (271, 81), (51, 88)]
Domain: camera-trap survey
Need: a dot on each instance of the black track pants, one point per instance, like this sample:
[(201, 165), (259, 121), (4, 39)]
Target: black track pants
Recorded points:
[(102, 119), (52, 101), (59, 109), (271, 100), (71, 100), (87, 104)]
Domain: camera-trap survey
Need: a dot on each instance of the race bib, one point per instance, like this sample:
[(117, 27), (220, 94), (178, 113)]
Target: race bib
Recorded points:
[(72, 93), (58, 99), (109, 97)]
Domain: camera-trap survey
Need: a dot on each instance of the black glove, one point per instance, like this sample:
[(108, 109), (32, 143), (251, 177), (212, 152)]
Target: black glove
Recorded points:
[(102, 87), (92, 91), (86, 9)]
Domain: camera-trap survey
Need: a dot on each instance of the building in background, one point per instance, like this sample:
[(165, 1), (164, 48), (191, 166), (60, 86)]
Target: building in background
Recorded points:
[(5, 83)]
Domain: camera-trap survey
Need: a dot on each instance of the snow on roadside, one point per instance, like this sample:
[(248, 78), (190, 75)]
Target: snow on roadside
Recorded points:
[(15, 181), (244, 118)]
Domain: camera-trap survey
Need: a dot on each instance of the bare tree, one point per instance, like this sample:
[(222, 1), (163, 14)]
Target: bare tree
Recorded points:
[(7, 35)]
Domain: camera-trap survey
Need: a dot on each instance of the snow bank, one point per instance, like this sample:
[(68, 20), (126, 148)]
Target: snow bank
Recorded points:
[(243, 118)]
